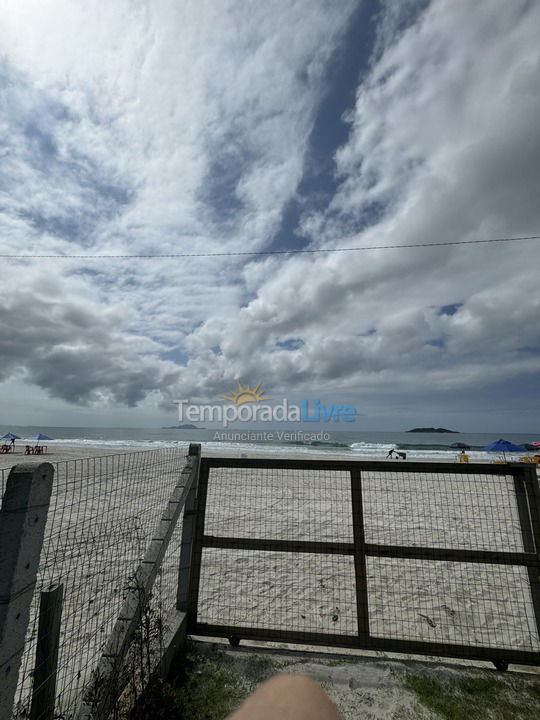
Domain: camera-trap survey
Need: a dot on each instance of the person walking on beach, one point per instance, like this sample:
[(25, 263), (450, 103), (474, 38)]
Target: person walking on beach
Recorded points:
[(390, 454)]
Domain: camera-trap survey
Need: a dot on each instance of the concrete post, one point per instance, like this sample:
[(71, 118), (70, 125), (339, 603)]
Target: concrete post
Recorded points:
[(22, 525)]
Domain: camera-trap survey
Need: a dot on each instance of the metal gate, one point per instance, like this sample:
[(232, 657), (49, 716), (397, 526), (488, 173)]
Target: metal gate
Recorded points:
[(429, 558)]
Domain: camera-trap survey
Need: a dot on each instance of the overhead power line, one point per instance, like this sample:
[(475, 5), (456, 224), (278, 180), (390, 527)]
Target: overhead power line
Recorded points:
[(259, 253)]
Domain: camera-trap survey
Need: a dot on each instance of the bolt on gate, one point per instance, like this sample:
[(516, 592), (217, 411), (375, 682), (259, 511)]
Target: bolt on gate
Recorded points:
[(428, 558)]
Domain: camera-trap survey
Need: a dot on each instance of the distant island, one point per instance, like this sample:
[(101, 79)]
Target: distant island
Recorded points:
[(433, 430), (182, 427)]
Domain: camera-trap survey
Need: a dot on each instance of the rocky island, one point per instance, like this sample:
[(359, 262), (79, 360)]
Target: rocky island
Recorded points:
[(432, 430), (182, 427)]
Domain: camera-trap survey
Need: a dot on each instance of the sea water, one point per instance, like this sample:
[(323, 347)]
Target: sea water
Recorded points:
[(356, 444)]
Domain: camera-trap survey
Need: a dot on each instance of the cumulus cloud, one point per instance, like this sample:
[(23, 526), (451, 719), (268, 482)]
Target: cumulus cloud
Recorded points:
[(443, 141), (139, 128), (74, 347), (164, 127)]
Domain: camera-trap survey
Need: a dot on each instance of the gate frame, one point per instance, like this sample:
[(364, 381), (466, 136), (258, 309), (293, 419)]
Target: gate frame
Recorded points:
[(527, 494)]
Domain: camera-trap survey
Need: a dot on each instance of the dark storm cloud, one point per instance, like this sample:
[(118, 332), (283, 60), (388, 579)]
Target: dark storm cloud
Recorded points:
[(73, 351)]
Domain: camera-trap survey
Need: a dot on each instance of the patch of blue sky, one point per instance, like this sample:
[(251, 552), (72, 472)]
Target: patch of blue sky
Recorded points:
[(102, 202), (290, 344), (449, 309), (176, 355), (437, 342), (34, 120), (350, 63), (330, 129), (230, 161), (41, 140)]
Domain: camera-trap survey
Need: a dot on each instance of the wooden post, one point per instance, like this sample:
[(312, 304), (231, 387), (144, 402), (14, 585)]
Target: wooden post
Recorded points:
[(48, 639), (188, 531), (22, 525), (360, 566), (196, 552)]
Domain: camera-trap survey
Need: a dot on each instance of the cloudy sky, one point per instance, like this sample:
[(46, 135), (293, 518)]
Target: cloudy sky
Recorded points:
[(154, 127)]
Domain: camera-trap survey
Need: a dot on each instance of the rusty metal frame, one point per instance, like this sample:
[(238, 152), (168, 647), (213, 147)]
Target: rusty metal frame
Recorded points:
[(527, 493)]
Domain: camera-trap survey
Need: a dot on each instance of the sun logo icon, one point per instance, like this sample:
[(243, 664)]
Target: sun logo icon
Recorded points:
[(245, 394)]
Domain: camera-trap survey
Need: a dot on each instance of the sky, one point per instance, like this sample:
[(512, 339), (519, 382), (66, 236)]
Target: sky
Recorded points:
[(215, 127)]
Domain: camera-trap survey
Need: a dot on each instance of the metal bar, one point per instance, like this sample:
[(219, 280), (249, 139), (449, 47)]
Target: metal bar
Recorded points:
[(188, 531), (362, 607), (370, 643), (533, 496), (48, 640), (451, 554), (376, 465), (524, 515), (297, 546), (372, 550), (533, 529), (196, 551), (22, 525)]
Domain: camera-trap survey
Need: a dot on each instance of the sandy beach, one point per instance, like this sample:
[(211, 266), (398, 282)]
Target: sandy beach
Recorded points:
[(105, 506)]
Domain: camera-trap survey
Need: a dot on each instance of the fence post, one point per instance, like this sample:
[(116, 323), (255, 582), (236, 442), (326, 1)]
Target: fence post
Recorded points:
[(530, 529), (48, 639), (188, 532), (22, 525)]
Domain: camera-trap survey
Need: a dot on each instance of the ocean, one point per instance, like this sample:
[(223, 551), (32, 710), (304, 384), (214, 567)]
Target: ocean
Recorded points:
[(279, 441)]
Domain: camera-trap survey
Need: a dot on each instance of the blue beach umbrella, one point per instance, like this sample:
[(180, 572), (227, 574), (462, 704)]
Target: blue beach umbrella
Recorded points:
[(504, 446), (10, 436), (39, 437)]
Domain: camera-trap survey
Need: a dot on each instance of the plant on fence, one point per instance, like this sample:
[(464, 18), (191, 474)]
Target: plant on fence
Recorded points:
[(145, 648), (206, 686), (121, 689)]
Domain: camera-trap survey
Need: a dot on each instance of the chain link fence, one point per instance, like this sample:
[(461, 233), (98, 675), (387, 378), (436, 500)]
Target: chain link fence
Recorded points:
[(102, 514)]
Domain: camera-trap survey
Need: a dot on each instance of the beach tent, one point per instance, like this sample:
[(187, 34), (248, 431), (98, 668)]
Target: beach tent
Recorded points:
[(504, 446), (38, 438)]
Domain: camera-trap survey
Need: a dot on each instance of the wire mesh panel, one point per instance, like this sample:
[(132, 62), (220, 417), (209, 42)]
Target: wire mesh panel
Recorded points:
[(446, 510), (420, 557), (279, 504), (308, 592), (101, 517), (455, 603)]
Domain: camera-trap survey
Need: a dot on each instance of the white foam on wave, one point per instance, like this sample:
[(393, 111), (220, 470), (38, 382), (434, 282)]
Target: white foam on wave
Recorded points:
[(103, 442), (359, 450)]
